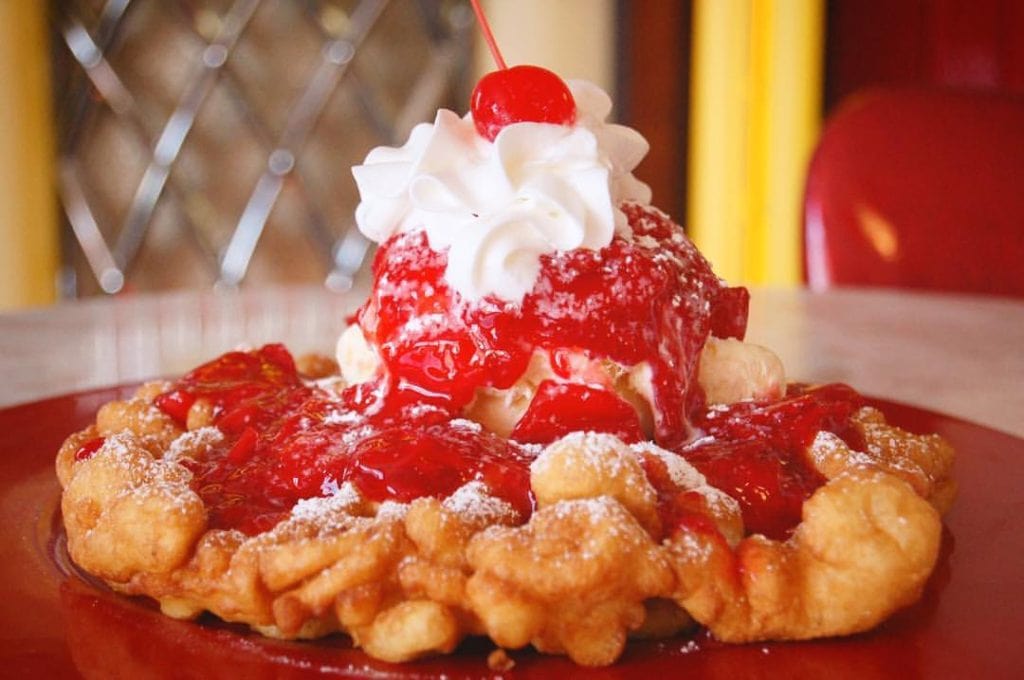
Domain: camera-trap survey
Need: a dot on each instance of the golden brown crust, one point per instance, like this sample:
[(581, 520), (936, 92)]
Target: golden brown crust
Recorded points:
[(558, 582), (66, 454), (865, 548), (139, 417), (316, 366), (589, 465), (923, 461), (130, 512), (591, 567)]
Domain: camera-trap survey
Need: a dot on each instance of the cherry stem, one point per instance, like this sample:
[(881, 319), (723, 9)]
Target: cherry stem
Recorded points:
[(492, 44)]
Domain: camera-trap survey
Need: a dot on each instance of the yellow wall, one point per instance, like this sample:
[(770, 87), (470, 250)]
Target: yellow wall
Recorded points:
[(28, 233), (755, 93)]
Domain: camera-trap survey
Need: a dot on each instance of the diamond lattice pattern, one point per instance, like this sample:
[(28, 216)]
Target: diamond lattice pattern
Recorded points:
[(209, 142)]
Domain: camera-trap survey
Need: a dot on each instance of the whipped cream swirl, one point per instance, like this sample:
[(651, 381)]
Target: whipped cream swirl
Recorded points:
[(497, 207)]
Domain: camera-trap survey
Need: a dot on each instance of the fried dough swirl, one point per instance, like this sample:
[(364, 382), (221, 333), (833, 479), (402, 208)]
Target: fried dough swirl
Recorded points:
[(595, 564)]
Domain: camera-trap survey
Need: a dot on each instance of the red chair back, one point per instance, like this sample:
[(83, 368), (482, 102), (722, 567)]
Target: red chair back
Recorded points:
[(919, 189)]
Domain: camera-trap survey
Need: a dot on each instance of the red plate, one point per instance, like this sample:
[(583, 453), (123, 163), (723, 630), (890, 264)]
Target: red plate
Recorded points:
[(55, 623)]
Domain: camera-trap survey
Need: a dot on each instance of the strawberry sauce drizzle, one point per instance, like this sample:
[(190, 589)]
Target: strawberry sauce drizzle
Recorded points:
[(90, 447), (649, 298), (560, 408), (285, 441), (757, 451)]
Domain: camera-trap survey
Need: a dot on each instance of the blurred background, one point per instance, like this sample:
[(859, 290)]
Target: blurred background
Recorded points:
[(155, 145)]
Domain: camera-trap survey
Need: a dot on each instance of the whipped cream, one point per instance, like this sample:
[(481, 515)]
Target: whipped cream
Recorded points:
[(497, 207)]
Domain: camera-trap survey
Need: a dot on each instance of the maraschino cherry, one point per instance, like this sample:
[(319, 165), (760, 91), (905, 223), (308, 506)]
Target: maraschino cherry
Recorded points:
[(517, 95)]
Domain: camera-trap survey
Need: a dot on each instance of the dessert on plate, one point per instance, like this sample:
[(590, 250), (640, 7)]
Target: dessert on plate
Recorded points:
[(543, 426)]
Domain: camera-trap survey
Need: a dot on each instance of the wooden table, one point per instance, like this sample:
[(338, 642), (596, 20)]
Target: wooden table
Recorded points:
[(960, 355)]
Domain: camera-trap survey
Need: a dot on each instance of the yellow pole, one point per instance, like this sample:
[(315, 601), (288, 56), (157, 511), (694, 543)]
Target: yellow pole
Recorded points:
[(756, 91), (28, 231), (717, 196)]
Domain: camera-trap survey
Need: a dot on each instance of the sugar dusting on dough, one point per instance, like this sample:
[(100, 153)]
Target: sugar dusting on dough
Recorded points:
[(680, 471), (688, 478), (473, 502), (192, 441), (596, 449), (143, 476)]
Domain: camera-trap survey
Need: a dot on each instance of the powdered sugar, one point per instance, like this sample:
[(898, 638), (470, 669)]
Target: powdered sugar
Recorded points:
[(680, 471), (473, 501), (342, 498), (392, 510), (687, 477), (596, 450), (828, 446), (141, 475), (690, 546), (603, 517), (342, 417), (194, 441), (465, 424)]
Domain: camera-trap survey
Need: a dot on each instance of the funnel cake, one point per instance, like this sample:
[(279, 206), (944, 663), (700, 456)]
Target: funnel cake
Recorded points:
[(544, 427)]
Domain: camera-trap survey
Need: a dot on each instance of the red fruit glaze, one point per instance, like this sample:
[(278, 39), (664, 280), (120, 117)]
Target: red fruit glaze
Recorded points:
[(521, 94), (676, 509), (650, 298), (756, 452), (560, 408), (88, 448), (244, 388), (285, 441)]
